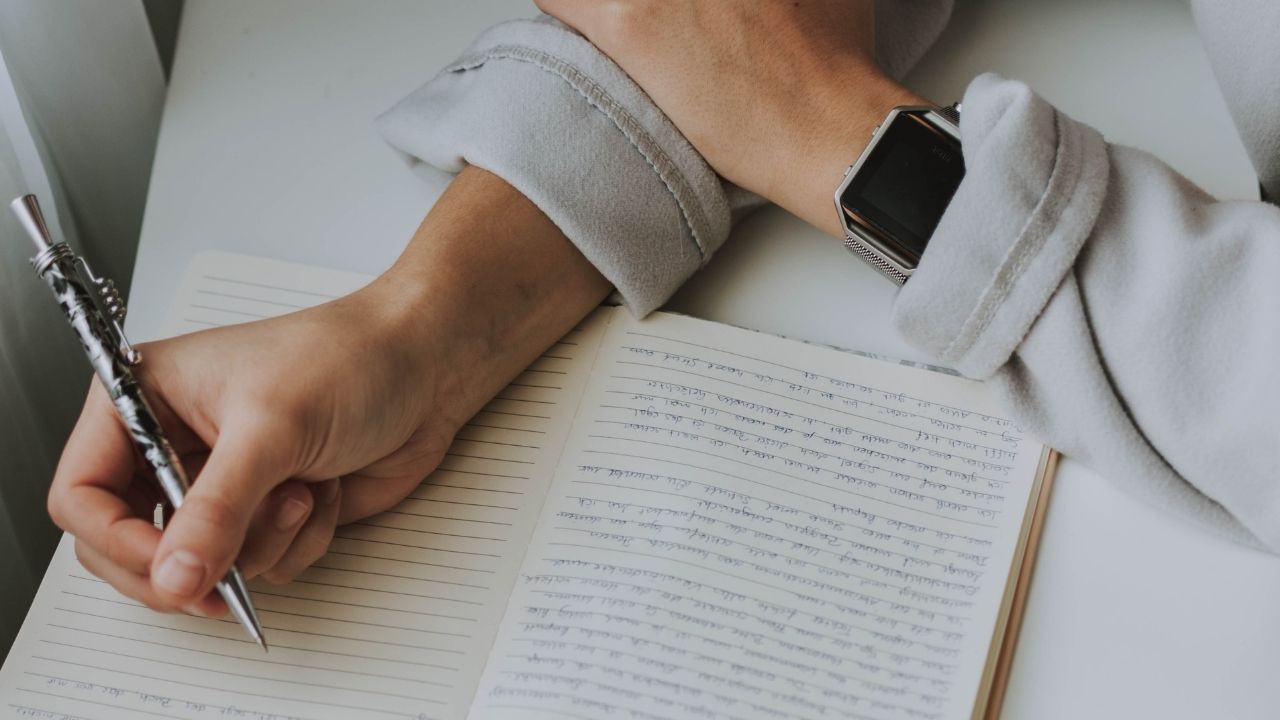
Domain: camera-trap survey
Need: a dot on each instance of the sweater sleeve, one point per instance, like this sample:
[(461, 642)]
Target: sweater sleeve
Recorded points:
[(1127, 318), (538, 105)]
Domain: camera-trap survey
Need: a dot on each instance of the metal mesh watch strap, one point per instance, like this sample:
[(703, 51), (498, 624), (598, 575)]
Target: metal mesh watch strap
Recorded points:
[(859, 248), (951, 112)]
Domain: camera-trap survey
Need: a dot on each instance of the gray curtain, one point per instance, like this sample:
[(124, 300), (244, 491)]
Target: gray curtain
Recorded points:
[(81, 109)]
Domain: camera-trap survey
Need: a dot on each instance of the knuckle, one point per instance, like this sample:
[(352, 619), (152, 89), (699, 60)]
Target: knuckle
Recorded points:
[(212, 510)]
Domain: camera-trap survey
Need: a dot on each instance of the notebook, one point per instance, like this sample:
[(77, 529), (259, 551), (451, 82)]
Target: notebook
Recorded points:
[(666, 518)]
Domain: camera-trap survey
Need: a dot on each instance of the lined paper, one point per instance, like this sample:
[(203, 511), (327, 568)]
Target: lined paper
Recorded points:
[(395, 622), (658, 519), (744, 527)]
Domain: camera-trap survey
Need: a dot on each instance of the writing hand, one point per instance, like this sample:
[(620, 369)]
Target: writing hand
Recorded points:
[(369, 389), (267, 415)]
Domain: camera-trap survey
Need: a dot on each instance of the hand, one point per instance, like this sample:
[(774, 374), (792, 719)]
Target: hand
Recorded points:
[(370, 389), (779, 97), (267, 416)]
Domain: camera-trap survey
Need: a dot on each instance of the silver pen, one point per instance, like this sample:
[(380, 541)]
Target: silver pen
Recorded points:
[(97, 315)]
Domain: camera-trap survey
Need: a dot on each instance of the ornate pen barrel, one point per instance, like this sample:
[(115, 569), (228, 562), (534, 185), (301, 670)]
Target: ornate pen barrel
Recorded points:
[(110, 355)]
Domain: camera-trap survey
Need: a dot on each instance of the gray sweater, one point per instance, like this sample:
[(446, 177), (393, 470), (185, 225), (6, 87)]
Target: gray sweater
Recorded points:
[(1121, 313)]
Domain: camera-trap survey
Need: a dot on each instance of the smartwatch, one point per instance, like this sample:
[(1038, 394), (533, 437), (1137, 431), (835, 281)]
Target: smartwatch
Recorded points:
[(892, 198)]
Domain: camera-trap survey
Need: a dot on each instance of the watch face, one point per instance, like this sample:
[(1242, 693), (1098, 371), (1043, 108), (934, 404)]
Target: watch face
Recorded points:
[(904, 185)]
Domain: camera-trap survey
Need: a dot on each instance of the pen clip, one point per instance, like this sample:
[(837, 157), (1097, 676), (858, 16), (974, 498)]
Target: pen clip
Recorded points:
[(50, 254), (114, 310)]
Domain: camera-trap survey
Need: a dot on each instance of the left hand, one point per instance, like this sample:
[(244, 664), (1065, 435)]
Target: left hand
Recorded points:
[(777, 96)]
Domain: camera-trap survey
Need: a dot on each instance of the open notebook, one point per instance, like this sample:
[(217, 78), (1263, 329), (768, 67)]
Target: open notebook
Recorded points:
[(665, 518)]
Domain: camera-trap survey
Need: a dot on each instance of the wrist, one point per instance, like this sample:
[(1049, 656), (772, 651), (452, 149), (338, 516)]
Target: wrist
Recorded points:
[(408, 341), (486, 285), (817, 147)]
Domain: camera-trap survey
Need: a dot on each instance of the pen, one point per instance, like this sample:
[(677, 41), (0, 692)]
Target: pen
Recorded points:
[(96, 317)]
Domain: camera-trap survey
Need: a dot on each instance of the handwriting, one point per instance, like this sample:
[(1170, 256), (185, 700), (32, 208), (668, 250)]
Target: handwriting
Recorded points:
[(742, 538)]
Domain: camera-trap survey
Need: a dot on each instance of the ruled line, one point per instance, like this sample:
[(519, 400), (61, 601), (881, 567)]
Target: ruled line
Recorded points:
[(233, 296), (237, 281)]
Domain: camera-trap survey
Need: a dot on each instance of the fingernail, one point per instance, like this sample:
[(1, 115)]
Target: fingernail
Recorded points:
[(180, 573), (290, 514), (329, 490)]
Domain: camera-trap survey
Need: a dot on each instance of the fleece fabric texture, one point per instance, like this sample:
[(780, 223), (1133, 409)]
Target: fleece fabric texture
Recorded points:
[(536, 104), (1121, 313)]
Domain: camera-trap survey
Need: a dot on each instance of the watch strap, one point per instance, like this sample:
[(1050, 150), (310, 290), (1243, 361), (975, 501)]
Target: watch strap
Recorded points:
[(858, 247), (951, 112)]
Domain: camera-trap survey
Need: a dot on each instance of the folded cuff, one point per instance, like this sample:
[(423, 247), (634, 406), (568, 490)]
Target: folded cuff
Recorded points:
[(1034, 185), (539, 106)]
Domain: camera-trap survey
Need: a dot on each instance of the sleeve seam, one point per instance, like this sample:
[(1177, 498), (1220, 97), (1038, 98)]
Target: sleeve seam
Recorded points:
[(1057, 195), (595, 95)]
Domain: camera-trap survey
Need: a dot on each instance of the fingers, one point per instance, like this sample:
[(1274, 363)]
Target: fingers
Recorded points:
[(208, 531), (313, 539), (364, 495), (138, 587), (93, 478), (129, 584), (275, 527)]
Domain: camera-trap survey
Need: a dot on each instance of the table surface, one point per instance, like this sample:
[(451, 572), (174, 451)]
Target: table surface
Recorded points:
[(267, 147)]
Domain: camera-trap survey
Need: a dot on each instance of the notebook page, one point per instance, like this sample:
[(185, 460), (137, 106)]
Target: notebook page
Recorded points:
[(395, 622), (747, 527)]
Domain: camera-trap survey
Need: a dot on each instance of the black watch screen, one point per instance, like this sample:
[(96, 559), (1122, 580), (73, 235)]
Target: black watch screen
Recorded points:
[(906, 183)]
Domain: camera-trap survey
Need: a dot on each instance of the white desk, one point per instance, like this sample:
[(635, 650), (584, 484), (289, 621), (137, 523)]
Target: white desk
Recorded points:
[(267, 148)]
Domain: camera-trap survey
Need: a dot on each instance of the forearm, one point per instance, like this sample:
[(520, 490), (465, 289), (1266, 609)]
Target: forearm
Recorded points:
[(541, 107), (777, 97), (486, 284)]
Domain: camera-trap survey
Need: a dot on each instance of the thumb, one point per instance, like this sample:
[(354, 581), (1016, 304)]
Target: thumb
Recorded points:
[(208, 530)]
